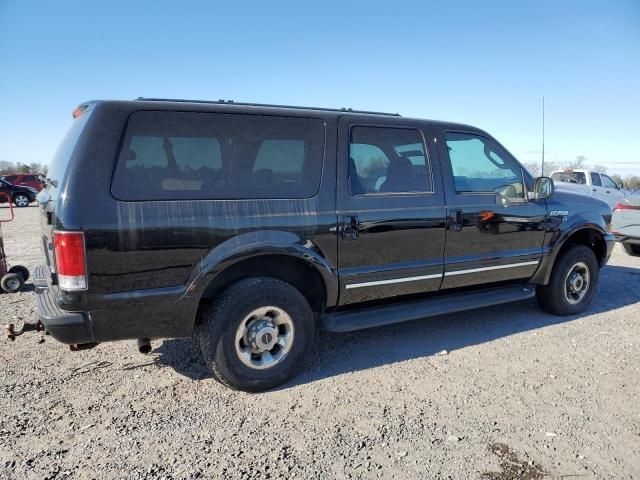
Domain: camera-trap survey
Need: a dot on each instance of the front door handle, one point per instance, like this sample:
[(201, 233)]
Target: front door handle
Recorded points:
[(455, 220), (350, 227)]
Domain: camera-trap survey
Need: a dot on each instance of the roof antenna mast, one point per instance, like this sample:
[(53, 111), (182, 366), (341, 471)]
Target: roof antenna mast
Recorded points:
[(542, 169)]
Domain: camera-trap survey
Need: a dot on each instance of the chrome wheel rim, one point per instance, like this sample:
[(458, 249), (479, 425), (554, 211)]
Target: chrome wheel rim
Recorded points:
[(577, 283), (264, 337), (13, 284), (22, 201)]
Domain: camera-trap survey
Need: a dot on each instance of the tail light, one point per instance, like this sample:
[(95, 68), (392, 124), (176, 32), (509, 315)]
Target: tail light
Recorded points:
[(625, 206), (71, 265)]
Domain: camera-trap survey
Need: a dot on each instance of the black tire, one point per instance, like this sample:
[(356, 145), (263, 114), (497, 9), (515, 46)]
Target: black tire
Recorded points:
[(20, 270), (553, 297), (21, 200), (222, 321), (631, 249), (11, 282)]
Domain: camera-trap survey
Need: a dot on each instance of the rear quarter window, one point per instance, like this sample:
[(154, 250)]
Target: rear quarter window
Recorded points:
[(187, 156), (60, 161)]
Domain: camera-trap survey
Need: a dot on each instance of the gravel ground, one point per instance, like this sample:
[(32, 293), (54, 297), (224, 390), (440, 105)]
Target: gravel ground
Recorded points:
[(517, 394)]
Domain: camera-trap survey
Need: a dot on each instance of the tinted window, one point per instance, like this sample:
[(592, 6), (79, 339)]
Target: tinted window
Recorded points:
[(387, 160), (178, 155), (10, 178), (608, 182), (595, 179), (58, 165), (479, 165)]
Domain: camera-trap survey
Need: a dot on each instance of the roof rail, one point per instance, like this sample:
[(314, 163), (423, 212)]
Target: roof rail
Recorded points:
[(231, 102)]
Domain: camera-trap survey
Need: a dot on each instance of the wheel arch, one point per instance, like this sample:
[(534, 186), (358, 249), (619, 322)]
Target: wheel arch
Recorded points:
[(296, 263), (591, 236)]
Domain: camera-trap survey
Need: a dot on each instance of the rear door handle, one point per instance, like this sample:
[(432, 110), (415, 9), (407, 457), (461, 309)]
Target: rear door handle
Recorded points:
[(350, 227), (455, 220)]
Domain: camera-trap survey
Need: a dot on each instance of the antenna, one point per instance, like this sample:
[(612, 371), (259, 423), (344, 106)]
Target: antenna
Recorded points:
[(542, 169)]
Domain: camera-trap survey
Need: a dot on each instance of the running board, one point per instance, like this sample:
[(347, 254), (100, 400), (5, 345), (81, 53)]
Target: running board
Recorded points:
[(377, 316)]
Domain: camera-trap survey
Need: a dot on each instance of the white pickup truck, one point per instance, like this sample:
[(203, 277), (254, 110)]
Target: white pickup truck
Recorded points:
[(588, 182)]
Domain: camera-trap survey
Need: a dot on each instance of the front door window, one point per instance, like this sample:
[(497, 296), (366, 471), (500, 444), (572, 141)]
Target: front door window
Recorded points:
[(480, 166)]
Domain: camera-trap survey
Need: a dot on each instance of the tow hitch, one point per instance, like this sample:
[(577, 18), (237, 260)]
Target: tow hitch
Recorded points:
[(13, 332)]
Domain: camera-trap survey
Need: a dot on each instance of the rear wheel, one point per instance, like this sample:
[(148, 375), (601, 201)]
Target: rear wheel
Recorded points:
[(21, 200), (257, 334), (572, 283), (20, 270), (11, 282), (632, 249)]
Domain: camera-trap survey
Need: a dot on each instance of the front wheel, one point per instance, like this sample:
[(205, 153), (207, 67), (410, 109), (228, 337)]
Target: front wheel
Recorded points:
[(572, 283), (632, 249), (257, 334), (20, 200)]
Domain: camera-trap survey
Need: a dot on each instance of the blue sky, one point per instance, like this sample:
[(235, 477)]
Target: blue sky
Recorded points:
[(484, 63)]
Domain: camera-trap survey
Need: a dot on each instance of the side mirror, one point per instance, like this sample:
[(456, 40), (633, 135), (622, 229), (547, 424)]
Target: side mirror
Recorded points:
[(620, 186), (543, 188)]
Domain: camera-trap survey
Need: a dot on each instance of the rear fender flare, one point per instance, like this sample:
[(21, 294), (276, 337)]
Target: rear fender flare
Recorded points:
[(260, 243)]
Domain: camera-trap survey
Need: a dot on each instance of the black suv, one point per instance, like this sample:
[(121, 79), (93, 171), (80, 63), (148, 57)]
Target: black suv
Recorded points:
[(252, 225)]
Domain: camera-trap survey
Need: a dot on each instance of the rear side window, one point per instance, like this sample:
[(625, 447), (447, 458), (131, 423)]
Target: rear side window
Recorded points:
[(595, 179), (181, 156), (387, 160), (60, 161)]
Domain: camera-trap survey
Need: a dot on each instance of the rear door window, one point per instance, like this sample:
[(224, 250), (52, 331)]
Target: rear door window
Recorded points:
[(595, 179), (387, 160), (180, 156)]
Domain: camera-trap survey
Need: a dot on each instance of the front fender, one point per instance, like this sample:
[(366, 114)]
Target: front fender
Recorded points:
[(260, 243), (558, 240)]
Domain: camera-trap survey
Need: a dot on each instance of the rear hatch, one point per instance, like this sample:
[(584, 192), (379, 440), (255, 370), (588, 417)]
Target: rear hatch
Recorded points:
[(51, 198)]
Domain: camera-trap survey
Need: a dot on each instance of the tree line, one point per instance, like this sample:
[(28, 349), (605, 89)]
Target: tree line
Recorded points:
[(11, 167)]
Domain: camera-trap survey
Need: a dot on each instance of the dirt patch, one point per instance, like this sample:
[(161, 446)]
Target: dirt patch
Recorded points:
[(513, 468)]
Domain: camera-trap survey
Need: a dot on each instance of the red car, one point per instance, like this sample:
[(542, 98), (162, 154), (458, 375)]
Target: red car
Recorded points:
[(25, 180)]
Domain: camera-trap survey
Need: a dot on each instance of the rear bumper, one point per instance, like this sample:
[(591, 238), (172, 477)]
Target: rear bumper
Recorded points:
[(160, 313), (67, 327)]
